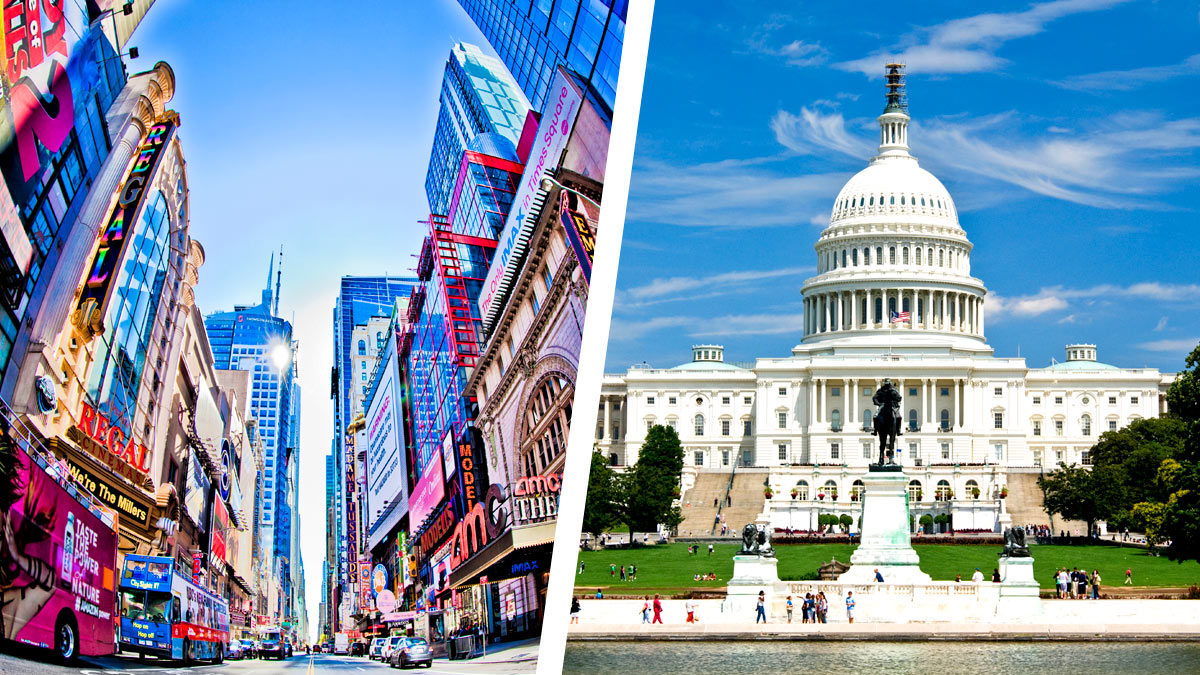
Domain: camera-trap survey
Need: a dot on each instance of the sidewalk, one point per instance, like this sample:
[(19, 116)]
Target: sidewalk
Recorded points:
[(991, 632), (517, 651)]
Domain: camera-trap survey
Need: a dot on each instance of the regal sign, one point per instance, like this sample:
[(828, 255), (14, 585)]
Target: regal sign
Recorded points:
[(98, 428), (118, 232)]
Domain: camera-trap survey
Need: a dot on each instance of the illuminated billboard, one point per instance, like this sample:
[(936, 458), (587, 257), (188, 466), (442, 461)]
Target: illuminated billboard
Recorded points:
[(428, 493), (387, 464)]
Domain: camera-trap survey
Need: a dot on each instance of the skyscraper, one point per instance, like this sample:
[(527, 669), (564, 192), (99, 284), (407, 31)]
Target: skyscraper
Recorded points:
[(532, 37), (479, 96)]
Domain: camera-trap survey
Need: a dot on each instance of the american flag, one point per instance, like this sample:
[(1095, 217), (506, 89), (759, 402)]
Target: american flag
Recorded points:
[(901, 317)]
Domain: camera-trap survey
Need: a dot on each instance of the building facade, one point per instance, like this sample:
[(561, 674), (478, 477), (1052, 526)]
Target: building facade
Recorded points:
[(893, 298)]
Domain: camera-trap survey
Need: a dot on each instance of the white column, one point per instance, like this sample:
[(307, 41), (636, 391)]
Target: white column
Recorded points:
[(824, 412), (811, 390), (957, 402), (607, 419), (853, 310), (828, 318), (981, 313), (931, 390), (851, 398)]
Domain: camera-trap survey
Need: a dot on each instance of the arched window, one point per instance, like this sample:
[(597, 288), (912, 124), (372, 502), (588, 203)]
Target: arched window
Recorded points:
[(547, 420), (914, 491), (843, 257), (878, 255), (901, 200), (854, 257), (699, 425), (362, 347), (1085, 423), (891, 255), (904, 256), (912, 419), (972, 487), (856, 491), (892, 201), (612, 459), (802, 489), (943, 490), (941, 257), (867, 420), (835, 419), (929, 257), (917, 251), (872, 200), (945, 420), (830, 489), (866, 256)]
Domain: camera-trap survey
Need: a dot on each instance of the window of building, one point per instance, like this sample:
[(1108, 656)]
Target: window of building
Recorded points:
[(914, 486), (912, 391), (866, 420), (835, 420), (783, 452), (943, 490), (547, 421), (1037, 456), (1086, 458), (1058, 455), (914, 450), (801, 490), (671, 423), (649, 425), (649, 400), (783, 391), (698, 458), (1037, 427), (699, 425), (362, 347), (998, 391), (945, 391), (724, 400), (835, 391), (998, 448), (1058, 427), (670, 400), (724, 456), (945, 420), (912, 420), (616, 431), (1085, 425), (866, 450), (835, 451), (945, 450), (745, 427), (782, 420), (1057, 400), (746, 400), (998, 420), (1112, 425), (1133, 400), (1037, 400), (724, 427)]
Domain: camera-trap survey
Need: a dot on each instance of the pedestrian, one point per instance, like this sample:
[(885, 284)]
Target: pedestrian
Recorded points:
[(715, 502), (957, 578), (599, 594), (612, 569), (645, 609), (761, 610), (710, 549), (978, 576), (1128, 572), (995, 575), (789, 608), (575, 609), (1095, 584), (806, 609), (581, 567), (728, 500), (657, 610), (691, 611), (633, 574), (850, 606), (1082, 585), (878, 576), (622, 573)]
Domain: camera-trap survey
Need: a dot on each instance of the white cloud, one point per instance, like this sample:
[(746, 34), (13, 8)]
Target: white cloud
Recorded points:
[(1162, 323), (1126, 80), (730, 194), (1183, 346), (1057, 298), (812, 130), (803, 54), (670, 289), (968, 45)]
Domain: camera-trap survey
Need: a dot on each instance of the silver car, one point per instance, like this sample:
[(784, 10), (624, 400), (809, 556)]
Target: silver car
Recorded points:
[(376, 650), (411, 651)]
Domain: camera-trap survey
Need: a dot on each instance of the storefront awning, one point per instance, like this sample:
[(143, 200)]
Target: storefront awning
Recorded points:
[(514, 553)]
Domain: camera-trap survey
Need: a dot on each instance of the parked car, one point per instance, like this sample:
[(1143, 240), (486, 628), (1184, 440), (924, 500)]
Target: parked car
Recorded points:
[(389, 646), (376, 650), (411, 651), (287, 650), (358, 648)]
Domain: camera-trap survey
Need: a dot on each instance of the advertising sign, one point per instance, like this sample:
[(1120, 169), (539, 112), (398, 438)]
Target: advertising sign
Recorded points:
[(118, 232), (379, 579), (118, 499), (428, 493), (558, 118), (578, 217), (98, 428), (387, 483), (385, 601), (220, 529), (195, 492), (472, 465), (365, 594)]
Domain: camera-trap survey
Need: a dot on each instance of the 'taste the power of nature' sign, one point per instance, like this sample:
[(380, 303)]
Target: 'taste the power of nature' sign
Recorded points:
[(116, 235)]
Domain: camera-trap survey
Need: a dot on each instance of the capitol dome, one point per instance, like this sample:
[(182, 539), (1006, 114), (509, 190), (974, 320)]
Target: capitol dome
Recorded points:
[(893, 265)]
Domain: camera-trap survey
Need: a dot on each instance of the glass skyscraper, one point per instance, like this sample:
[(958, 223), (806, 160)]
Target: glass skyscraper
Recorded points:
[(532, 37), (479, 96)]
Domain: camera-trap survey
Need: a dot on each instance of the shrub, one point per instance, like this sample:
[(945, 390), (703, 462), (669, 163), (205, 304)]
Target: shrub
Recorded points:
[(926, 519)]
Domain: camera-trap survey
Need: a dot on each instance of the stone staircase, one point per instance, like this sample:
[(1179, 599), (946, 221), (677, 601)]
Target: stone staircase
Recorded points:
[(1025, 504), (746, 497)]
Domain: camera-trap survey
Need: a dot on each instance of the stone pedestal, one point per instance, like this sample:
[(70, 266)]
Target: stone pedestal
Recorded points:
[(1019, 593), (886, 540), (751, 574)]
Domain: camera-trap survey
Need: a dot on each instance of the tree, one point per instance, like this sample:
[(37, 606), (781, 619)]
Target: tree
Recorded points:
[(1148, 517), (1181, 515), (926, 522), (1076, 493), (649, 489), (601, 511), (846, 521)]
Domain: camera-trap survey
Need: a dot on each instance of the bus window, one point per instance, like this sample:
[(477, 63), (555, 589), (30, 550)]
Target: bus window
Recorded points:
[(158, 606), (133, 605)]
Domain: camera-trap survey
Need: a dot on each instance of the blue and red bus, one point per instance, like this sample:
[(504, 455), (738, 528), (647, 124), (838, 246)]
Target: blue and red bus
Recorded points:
[(58, 552), (165, 614)]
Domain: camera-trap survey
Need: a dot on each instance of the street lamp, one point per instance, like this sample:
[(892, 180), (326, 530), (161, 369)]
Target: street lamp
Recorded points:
[(548, 182)]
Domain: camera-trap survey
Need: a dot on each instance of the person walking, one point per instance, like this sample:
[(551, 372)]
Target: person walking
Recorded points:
[(633, 572), (657, 610), (691, 611), (710, 549), (1128, 576), (850, 606), (622, 573), (612, 569), (575, 609), (978, 576), (878, 576), (1095, 584), (581, 567), (789, 608), (761, 609), (599, 594), (645, 609)]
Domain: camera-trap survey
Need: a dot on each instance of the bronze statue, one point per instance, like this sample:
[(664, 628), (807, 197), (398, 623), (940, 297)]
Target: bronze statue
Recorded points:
[(749, 540), (1014, 543), (764, 544), (887, 421)]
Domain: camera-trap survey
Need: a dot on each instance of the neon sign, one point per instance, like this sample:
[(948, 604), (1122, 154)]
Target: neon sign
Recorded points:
[(483, 523), (117, 233), (98, 428)]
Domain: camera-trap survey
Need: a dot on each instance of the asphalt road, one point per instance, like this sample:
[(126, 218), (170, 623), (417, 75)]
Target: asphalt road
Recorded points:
[(19, 660)]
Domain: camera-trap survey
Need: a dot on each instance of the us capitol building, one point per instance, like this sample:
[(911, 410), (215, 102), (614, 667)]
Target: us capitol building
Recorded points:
[(977, 428)]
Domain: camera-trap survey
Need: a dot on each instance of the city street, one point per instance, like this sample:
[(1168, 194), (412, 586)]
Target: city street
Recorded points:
[(15, 659)]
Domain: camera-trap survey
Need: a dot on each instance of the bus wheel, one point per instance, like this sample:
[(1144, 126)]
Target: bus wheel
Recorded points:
[(187, 651), (66, 638), (220, 653)]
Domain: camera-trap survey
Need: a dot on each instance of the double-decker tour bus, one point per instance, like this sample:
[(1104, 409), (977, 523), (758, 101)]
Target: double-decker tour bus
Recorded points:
[(168, 615), (58, 551)]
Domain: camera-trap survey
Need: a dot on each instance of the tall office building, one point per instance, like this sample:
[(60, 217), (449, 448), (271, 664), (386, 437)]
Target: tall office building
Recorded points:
[(479, 96), (359, 299), (252, 338), (533, 37)]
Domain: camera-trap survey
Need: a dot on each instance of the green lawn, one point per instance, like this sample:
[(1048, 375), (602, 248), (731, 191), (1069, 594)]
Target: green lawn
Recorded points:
[(669, 567)]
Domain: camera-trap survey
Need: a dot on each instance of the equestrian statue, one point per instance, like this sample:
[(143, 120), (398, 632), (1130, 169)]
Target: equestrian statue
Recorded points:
[(887, 421)]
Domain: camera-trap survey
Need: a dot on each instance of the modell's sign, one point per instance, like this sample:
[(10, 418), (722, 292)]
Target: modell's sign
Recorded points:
[(535, 499), (119, 230), (98, 428)]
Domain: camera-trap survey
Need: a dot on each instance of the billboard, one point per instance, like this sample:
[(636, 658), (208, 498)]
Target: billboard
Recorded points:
[(195, 492), (558, 118), (428, 493), (387, 474), (220, 529)]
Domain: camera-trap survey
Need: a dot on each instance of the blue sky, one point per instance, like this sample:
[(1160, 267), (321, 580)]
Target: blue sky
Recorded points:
[(1063, 131), (306, 128)]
